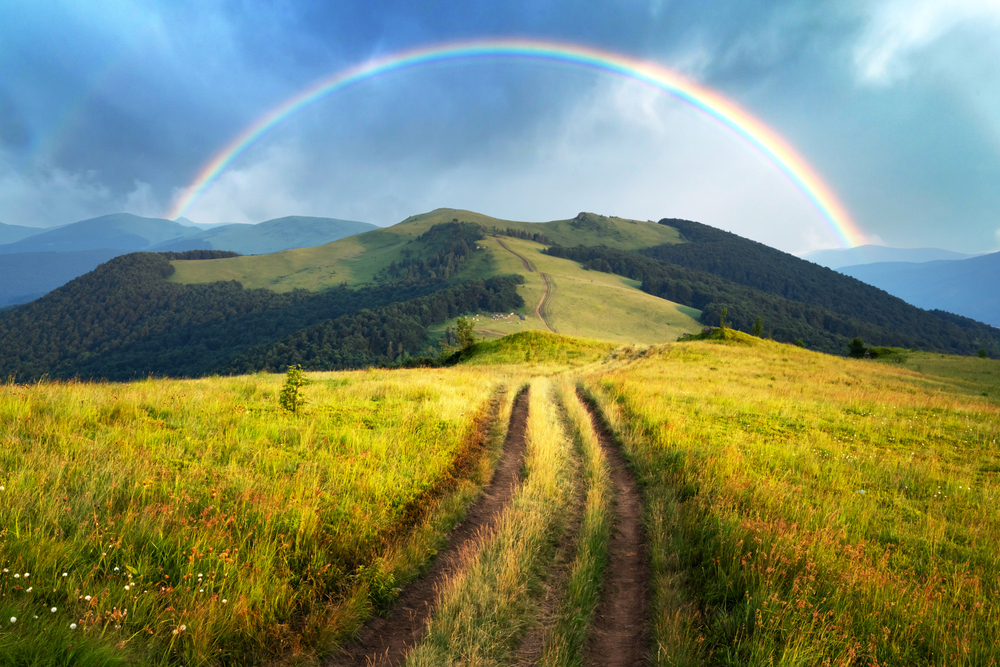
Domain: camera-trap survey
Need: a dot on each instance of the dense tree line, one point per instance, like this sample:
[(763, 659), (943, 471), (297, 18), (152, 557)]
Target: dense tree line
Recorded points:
[(521, 234), (444, 248), (124, 320), (826, 322)]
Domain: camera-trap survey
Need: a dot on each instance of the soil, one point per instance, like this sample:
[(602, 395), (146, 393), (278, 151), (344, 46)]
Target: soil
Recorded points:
[(385, 641), (620, 633)]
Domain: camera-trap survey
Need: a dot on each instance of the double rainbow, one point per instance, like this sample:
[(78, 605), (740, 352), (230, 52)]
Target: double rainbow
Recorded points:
[(761, 137)]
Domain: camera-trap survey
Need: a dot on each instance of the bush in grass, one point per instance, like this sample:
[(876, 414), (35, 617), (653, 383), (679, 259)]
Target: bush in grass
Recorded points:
[(291, 397)]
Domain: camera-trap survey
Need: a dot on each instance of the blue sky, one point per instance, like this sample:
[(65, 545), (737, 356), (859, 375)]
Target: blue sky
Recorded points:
[(114, 105)]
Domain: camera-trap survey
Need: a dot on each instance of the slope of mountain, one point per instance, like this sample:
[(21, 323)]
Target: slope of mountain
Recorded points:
[(118, 231), (356, 260), (378, 297), (14, 233), (868, 254), (967, 287), (297, 231)]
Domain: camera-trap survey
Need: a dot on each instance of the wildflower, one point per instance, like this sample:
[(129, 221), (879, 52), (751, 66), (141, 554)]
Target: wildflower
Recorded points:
[(224, 600), (65, 574), (17, 576), (72, 626), (183, 628), (29, 589), (116, 568), (54, 610), (1, 488), (87, 598), (126, 588), (13, 619)]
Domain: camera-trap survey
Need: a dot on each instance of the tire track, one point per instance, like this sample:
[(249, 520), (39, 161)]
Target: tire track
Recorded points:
[(545, 279), (385, 642), (620, 633)]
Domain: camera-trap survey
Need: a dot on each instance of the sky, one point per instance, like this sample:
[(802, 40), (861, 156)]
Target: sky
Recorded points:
[(117, 105)]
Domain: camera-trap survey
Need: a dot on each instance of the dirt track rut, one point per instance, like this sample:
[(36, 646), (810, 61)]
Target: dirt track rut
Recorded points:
[(620, 632), (385, 642)]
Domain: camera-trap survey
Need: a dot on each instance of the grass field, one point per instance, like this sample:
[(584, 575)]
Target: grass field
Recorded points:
[(193, 522), (808, 509), (800, 509)]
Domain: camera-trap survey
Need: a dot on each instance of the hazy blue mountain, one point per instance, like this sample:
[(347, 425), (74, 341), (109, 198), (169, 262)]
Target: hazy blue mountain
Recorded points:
[(26, 276), (118, 231), (14, 233), (31, 266), (868, 254), (966, 287), (294, 231)]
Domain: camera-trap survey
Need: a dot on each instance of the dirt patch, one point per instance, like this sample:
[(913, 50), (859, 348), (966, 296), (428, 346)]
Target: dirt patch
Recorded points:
[(620, 634), (385, 641)]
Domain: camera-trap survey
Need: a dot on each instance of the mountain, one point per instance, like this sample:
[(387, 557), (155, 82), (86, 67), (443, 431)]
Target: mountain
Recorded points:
[(297, 231), (118, 231), (868, 254), (32, 266), (387, 295), (14, 233), (967, 287)]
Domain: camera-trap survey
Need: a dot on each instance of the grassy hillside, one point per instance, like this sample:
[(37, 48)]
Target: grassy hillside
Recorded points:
[(580, 303), (357, 259)]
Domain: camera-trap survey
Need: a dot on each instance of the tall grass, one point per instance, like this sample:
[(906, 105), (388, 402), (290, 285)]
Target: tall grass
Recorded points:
[(194, 522), (485, 609), (565, 640), (807, 509)]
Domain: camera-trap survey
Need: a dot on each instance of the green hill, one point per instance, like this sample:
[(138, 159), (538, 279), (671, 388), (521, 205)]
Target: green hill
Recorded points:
[(386, 296)]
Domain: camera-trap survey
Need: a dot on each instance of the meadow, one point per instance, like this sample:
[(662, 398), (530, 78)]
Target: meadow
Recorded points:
[(809, 509), (800, 508), (195, 522)]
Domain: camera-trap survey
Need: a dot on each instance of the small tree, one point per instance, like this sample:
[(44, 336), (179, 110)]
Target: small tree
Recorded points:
[(857, 348), (758, 328), (723, 324), (982, 353), (463, 330), (291, 397)]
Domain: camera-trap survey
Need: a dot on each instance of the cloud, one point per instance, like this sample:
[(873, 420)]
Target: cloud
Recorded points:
[(43, 196), (897, 30), (619, 148)]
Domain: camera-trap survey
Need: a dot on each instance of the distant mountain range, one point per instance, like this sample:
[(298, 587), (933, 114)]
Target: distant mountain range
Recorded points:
[(969, 287), (36, 261), (868, 254)]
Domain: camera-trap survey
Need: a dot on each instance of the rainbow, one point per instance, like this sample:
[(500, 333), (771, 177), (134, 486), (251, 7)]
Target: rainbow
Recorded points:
[(759, 135)]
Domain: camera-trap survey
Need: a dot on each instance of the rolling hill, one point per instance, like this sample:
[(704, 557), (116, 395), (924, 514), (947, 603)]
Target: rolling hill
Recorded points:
[(967, 287), (14, 233), (385, 296), (870, 254)]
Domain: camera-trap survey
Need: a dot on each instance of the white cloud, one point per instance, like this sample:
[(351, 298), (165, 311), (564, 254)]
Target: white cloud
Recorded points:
[(42, 197), (897, 30)]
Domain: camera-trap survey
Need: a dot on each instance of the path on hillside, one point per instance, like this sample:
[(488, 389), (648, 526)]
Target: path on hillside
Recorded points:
[(545, 279), (385, 642), (619, 636)]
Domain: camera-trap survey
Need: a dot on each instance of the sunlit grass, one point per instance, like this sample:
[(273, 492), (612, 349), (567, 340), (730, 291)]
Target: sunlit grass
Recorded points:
[(808, 509), (195, 521)]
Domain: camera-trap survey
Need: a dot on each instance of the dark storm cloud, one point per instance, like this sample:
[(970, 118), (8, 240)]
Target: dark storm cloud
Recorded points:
[(118, 103)]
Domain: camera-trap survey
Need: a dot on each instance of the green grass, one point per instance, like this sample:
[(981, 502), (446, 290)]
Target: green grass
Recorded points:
[(194, 522), (808, 509), (485, 609), (356, 259)]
